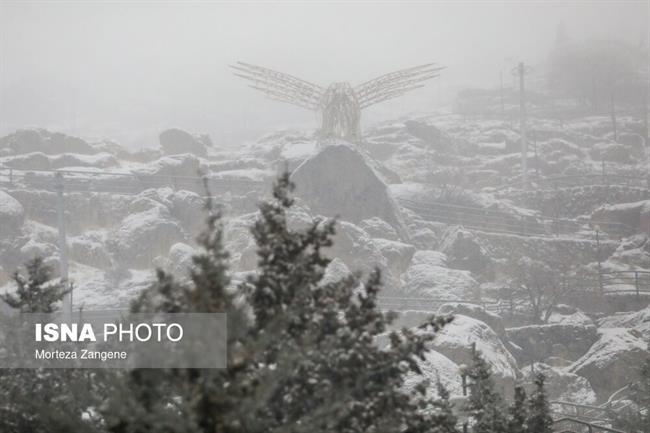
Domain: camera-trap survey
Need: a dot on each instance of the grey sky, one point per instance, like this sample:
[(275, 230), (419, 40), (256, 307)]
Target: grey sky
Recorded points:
[(127, 70)]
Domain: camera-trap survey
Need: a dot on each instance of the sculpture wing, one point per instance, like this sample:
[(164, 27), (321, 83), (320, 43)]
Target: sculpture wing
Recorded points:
[(395, 84), (280, 86)]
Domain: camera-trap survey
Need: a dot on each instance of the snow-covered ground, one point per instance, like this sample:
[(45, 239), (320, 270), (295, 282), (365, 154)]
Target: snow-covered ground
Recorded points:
[(128, 212)]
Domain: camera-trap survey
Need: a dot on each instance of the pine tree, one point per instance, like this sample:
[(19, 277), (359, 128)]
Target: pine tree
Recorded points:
[(36, 292), (303, 359), (485, 406), (539, 413), (518, 413), (444, 419), (42, 400)]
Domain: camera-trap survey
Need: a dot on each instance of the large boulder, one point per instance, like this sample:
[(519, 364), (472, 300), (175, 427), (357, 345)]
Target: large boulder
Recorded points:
[(428, 275), (100, 160), (455, 340), (634, 215), (338, 181), (436, 367), (180, 259), (466, 251), (568, 315), (41, 140), (89, 249), (614, 152), (633, 252), (474, 311), (560, 340), (41, 161), (638, 322), (410, 318), (143, 236), (560, 384), (175, 141), (187, 165), (429, 134), (358, 250), (378, 228), (397, 254), (34, 248), (32, 160), (335, 272), (188, 208), (608, 363), (12, 215)]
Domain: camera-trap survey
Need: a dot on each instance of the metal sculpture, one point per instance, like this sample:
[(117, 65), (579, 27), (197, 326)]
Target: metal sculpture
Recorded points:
[(340, 104)]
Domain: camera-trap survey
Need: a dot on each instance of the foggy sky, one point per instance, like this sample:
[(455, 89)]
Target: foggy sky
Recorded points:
[(126, 71)]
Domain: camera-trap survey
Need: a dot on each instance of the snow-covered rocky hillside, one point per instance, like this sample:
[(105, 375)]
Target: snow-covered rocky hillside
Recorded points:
[(553, 276)]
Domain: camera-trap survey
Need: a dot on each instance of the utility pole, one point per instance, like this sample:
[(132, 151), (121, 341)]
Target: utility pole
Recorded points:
[(646, 128), (612, 106), (535, 151), (503, 107), (521, 70), (63, 245), (600, 266)]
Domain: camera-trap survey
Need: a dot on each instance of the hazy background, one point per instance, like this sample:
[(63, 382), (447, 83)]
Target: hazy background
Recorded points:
[(126, 71)]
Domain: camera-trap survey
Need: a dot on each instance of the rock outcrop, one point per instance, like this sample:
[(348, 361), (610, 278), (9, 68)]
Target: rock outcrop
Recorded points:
[(456, 338), (144, 235), (41, 140), (338, 181), (631, 215), (428, 275), (608, 365), (540, 342), (12, 215), (176, 141), (560, 384)]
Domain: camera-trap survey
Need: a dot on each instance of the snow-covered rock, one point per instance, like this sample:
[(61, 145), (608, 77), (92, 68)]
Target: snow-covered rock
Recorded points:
[(336, 271), (398, 254), (175, 141), (410, 318), (560, 384), (12, 215), (41, 140), (637, 321), (90, 249), (428, 276), (567, 315), (539, 342), (357, 249), (41, 161), (477, 312), (378, 228), (338, 181), (609, 363), (466, 251), (435, 368), (429, 134), (634, 215), (633, 251), (93, 289), (455, 340), (180, 259), (143, 236), (614, 152), (176, 165), (34, 248), (188, 208)]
